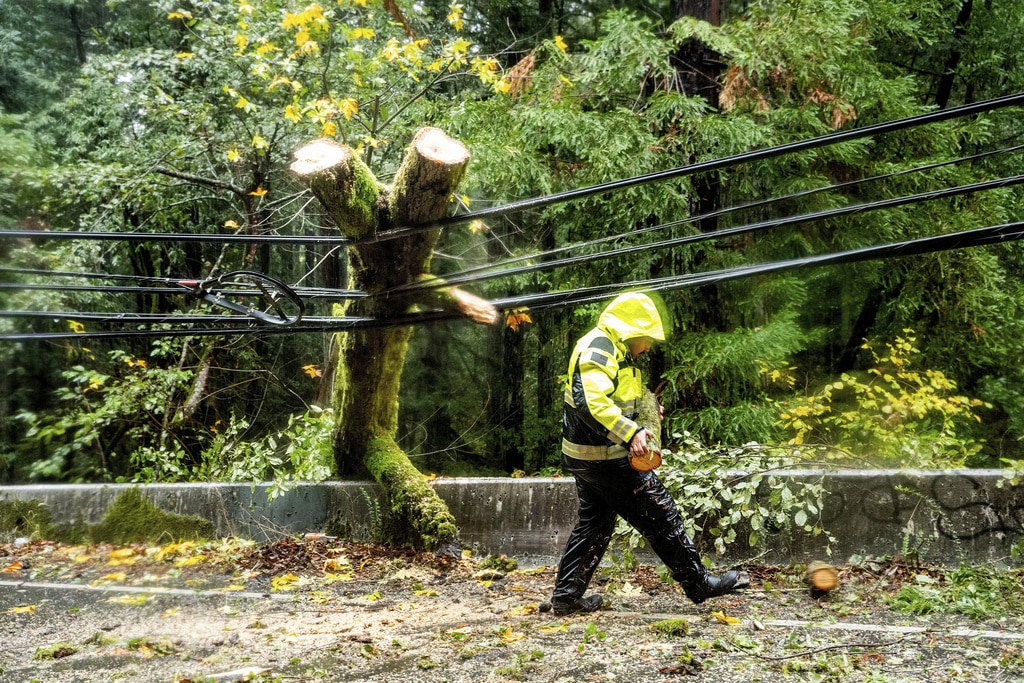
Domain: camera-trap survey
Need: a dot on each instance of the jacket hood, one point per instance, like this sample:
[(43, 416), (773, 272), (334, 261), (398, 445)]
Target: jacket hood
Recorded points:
[(632, 315)]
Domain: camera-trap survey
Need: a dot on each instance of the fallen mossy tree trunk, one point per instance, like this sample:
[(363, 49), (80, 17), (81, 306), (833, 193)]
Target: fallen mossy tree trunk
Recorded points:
[(371, 360)]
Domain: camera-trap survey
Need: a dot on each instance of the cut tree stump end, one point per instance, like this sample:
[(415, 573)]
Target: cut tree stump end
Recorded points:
[(434, 144), (319, 155)]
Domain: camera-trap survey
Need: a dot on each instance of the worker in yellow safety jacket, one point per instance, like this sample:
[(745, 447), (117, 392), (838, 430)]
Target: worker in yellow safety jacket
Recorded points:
[(599, 435)]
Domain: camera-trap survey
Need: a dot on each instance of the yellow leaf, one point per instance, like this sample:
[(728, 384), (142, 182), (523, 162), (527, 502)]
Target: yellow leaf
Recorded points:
[(284, 583), (723, 618), (130, 600), (232, 588), (556, 627), (231, 224), (169, 612), (121, 561), (455, 15), (22, 609), (13, 567), (233, 155), (373, 597), (121, 553), (184, 55), (312, 371), (76, 327), (517, 317), (426, 592), (321, 597), (360, 32), (292, 113), (116, 577), (258, 192), (337, 564), (510, 636), (329, 129), (523, 610), (259, 142), (333, 577), (349, 107), (560, 44)]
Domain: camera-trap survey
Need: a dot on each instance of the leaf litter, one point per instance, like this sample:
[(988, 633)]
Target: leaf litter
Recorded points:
[(318, 609)]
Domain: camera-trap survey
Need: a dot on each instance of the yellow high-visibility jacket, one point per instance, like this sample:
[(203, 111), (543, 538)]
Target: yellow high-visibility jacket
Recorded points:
[(603, 388)]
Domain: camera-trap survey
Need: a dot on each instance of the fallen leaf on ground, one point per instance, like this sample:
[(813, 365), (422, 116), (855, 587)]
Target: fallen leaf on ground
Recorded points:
[(723, 618), (22, 609)]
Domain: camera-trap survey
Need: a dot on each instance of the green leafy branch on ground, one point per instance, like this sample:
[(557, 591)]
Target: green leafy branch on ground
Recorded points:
[(979, 592), (733, 495)]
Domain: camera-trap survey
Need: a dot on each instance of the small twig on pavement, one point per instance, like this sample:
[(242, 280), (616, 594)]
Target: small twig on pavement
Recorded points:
[(847, 646)]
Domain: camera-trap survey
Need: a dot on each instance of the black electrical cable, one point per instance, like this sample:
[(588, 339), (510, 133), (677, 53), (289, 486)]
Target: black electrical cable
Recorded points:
[(852, 209), (996, 234), (306, 292), (787, 220), (585, 295), (342, 294), (462, 276), (171, 237), (123, 318)]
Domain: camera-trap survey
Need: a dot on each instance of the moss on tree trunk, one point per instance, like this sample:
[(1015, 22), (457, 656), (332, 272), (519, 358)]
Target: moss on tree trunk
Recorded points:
[(371, 360)]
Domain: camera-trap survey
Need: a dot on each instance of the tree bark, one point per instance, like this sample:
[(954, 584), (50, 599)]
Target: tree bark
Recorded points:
[(370, 362), (945, 88)]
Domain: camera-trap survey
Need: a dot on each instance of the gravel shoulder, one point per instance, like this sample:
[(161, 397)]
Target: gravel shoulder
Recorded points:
[(319, 610)]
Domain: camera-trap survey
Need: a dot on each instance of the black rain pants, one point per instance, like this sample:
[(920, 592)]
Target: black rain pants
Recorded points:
[(611, 488)]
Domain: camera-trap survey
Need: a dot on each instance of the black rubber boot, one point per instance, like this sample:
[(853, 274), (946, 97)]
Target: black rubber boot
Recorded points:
[(717, 585), (588, 604)]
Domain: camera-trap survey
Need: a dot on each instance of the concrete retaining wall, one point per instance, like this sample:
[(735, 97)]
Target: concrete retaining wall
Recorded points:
[(946, 516)]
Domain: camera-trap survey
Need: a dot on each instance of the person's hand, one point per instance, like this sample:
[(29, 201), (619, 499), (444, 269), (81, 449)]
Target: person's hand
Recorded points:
[(661, 412), (638, 446)]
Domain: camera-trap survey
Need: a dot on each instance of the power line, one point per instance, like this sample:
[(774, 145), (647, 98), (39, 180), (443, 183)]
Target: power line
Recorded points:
[(720, 234), (526, 300), (174, 287), (452, 277), (995, 234)]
